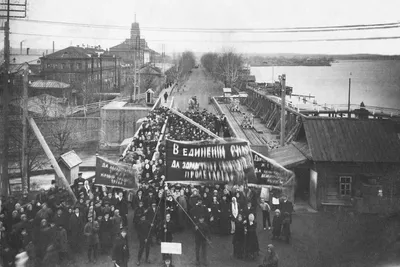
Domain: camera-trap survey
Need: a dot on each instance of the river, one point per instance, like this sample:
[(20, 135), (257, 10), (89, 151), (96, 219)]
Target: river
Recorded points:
[(375, 82)]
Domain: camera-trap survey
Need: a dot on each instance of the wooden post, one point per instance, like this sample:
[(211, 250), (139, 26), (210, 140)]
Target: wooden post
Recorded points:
[(283, 110), (51, 157), (4, 181), (24, 156)]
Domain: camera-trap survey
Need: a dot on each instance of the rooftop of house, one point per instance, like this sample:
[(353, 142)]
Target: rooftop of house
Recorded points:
[(352, 140)]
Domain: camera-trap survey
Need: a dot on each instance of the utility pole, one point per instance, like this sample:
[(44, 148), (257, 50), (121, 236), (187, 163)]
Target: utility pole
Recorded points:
[(282, 78), (24, 154), (17, 9), (348, 104)]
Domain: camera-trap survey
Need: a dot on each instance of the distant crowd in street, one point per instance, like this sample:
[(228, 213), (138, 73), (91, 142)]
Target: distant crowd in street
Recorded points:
[(49, 231)]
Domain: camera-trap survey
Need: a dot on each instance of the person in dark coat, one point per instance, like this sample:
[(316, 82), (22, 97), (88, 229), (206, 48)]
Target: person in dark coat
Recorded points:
[(286, 227), (139, 198), (214, 215), (139, 211), (252, 247), (166, 231), (286, 206), (76, 224), (225, 217), (106, 231), (276, 225), (120, 251), (44, 239), (238, 238), (199, 210), (201, 237), (60, 219), (144, 228), (91, 232), (153, 215), (122, 206), (61, 242), (165, 97)]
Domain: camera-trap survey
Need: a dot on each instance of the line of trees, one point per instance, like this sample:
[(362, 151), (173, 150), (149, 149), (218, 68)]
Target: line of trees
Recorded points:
[(183, 66), (227, 67)]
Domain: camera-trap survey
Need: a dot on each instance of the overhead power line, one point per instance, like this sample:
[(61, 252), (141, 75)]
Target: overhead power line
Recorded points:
[(232, 41), (354, 27)]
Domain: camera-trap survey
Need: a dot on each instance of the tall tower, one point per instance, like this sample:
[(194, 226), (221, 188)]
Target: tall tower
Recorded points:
[(135, 32)]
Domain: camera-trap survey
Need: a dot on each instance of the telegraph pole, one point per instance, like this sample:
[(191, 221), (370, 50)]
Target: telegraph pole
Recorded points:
[(24, 154), (348, 104), (282, 78), (17, 9)]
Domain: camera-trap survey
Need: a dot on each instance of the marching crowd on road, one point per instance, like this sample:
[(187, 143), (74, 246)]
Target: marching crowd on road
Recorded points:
[(48, 231)]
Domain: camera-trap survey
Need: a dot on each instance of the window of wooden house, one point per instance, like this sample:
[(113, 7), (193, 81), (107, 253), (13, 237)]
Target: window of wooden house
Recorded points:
[(79, 66), (71, 66), (345, 185), (63, 66)]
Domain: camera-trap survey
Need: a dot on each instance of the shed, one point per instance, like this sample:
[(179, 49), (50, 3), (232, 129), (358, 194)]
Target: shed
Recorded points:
[(149, 97), (69, 164), (227, 92)]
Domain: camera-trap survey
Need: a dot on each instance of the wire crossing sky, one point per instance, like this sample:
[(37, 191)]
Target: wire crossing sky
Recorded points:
[(251, 26)]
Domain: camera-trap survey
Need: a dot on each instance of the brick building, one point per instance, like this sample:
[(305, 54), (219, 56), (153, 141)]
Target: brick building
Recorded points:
[(78, 65)]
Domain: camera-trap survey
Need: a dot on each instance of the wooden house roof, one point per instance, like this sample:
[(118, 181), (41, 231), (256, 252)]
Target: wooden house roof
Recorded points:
[(287, 156), (352, 140), (70, 159)]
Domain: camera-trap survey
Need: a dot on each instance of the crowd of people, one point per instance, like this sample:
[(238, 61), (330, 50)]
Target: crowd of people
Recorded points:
[(49, 230)]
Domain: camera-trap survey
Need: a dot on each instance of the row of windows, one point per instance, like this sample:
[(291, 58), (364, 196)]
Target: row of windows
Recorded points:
[(78, 66)]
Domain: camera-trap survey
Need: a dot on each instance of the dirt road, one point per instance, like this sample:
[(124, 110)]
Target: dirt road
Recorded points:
[(199, 85)]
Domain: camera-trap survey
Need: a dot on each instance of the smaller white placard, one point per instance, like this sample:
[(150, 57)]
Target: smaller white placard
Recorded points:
[(171, 248)]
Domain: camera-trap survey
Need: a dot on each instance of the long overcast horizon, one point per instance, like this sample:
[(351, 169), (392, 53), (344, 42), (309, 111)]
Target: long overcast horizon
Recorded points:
[(208, 25)]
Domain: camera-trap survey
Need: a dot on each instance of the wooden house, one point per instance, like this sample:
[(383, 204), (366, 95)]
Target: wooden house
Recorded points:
[(345, 162)]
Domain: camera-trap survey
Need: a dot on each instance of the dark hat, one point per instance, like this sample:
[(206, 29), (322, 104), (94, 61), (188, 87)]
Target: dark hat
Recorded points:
[(53, 181), (80, 174)]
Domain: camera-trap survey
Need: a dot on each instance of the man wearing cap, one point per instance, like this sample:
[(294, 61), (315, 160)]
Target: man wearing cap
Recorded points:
[(78, 182), (153, 216), (144, 228), (139, 211), (76, 224), (120, 251), (199, 210)]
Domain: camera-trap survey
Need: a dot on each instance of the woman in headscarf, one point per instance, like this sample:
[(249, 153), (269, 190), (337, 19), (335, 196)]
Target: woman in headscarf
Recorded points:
[(271, 259), (251, 247), (235, 212)]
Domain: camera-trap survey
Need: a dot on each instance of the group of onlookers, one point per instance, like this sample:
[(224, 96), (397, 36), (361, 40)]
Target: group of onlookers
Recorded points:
[(48, 231)]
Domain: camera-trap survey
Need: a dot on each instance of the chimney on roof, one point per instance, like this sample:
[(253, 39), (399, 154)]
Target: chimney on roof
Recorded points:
[(27, 51), (53, 47), (20, 44)]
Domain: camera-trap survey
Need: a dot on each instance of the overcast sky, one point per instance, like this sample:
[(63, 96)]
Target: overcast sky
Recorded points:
[(207, 14)]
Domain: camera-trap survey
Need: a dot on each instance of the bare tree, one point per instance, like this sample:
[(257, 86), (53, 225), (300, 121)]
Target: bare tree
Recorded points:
[(227, 67), (60, 134), (87, 91)]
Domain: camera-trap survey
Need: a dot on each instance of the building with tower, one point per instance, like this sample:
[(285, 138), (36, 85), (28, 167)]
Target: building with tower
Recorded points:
[(133, 49)]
